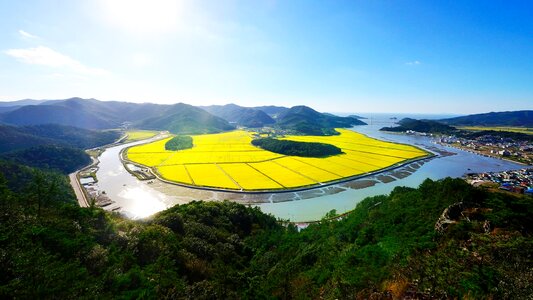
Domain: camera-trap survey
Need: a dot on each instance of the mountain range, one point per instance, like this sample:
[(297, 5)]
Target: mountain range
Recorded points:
[(176, 118), (506, 118), (243, 116)]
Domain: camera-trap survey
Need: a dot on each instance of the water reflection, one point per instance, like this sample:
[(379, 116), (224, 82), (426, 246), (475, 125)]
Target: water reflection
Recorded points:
[(142, 202)]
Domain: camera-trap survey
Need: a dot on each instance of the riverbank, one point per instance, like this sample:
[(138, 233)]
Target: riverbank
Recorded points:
[(139, 199), (483, 154), (313, 183), (287, 190), (82, 195)]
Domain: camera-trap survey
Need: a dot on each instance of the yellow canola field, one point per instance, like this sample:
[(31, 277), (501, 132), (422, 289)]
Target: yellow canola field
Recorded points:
[(137, 135), (229, 161)]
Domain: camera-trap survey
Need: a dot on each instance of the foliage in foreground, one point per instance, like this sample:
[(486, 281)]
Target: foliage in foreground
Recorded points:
[(50, 248)]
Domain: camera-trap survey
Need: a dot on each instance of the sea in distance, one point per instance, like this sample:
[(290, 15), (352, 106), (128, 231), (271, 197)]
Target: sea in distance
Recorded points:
[(138, 199)]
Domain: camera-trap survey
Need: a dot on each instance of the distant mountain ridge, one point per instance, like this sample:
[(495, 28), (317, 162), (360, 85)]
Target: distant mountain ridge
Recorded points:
[(272, 110), (177, 118), (305, 120), (95, 114), (22, 102), (507, 118), (243, 116)]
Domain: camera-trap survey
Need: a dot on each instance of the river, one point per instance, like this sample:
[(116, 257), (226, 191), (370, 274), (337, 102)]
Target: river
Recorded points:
[(138, 199)]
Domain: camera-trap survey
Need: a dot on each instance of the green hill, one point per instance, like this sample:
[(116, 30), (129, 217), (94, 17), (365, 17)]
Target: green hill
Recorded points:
[(305, 120), (186, 119), (17, 138), (50, 157), (427, 126), (522, 118)]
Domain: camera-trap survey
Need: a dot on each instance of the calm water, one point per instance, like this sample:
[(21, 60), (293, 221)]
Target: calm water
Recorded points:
[(138, 199)]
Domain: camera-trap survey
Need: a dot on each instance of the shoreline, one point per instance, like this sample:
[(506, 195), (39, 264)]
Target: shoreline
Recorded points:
[(74, 177), (430, 155), (393, 167), (482, 154)]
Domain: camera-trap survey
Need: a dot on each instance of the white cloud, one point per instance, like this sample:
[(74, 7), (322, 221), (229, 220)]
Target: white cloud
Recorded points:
[(27, 35), (47, 57), (413, 63)]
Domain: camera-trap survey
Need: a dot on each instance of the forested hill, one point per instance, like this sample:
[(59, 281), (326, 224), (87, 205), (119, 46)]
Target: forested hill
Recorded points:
[(305, 120), (522, 118), (388, 247), (428, 126), (17, 138), (185, 119), (50, 157)]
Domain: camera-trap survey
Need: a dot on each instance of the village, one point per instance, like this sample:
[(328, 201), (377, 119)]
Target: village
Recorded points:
[(516, 181), (493, 146)]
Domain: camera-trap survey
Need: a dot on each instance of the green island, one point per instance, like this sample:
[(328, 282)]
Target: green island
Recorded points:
[(295, 148), (179, 142)]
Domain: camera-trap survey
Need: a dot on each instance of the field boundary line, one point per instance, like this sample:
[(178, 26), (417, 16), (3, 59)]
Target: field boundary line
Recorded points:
[(231, 178), (265, 175), (277, 163), (376, 153), (188, 174), (362, 162), (303, 162)]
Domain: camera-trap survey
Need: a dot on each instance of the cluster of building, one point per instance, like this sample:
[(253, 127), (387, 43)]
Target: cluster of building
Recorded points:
[(489, 145), (516, 181), (92, 190)]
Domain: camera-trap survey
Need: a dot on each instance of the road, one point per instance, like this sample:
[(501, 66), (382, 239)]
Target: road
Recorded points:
[(78, 190)]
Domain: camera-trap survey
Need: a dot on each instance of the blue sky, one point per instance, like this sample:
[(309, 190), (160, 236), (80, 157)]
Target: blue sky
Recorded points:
[(351, 56)]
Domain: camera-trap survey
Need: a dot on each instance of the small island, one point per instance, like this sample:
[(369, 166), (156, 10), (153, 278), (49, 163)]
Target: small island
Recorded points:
[(179, 142), (293, 148)]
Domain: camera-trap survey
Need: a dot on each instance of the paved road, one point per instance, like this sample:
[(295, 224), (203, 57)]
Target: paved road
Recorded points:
[(78, 190)]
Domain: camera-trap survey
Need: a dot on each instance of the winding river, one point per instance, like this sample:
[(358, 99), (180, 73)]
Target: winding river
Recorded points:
[(138, 199)]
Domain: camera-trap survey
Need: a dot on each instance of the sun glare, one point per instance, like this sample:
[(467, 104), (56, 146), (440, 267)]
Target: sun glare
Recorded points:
[(142, 203), (143, 16)]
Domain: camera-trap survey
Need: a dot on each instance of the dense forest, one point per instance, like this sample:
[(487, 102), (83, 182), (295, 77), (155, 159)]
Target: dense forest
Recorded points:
[(296, 148), (400, 245), (18, 138), (50, 157), (179, 142)]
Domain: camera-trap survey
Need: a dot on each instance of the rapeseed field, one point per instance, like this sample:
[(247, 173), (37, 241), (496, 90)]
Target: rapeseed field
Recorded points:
[(229, 161)]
